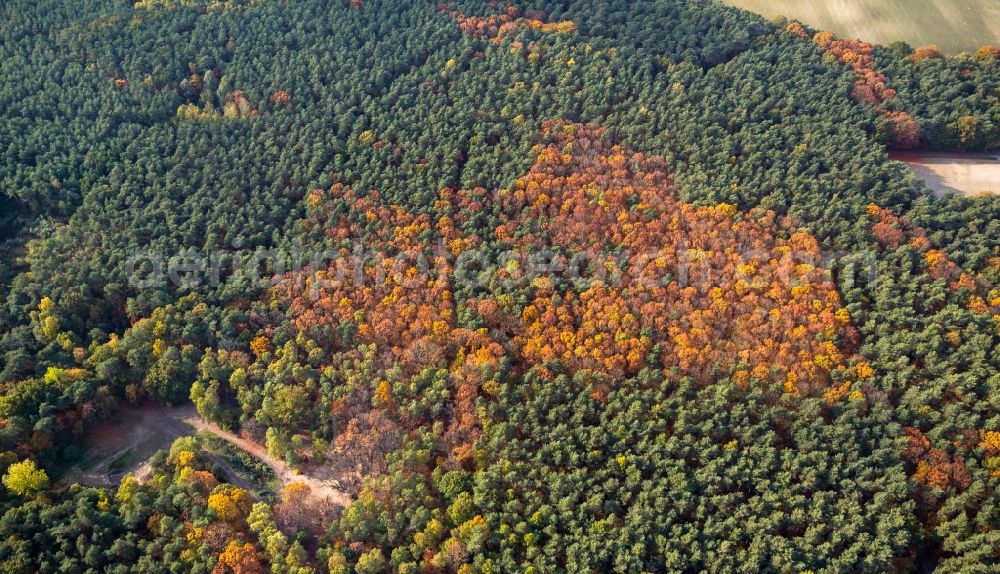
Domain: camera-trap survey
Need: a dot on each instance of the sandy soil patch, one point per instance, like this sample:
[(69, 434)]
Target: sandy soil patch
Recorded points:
[(967, 174), (125, 444)]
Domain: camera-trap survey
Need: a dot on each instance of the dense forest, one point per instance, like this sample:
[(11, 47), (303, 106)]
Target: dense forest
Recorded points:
[(590, 286)]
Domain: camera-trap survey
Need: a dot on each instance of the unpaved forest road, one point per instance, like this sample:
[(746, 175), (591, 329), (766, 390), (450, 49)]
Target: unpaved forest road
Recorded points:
[(145, 429), (322, 489)]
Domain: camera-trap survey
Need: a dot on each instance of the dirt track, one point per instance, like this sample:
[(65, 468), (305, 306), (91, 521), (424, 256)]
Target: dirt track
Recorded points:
[(323, 489)]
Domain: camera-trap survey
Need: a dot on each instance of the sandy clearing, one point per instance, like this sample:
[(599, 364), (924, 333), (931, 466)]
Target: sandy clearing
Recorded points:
[(125, 445), (120, 445), (967, 174)]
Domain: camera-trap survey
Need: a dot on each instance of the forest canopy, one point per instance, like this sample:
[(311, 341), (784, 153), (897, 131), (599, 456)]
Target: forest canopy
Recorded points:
[(484, 287)]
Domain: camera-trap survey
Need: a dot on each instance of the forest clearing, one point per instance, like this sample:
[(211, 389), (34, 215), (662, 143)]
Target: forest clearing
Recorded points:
[(115, 448), (125, 445), (954, 26), (967, 174)]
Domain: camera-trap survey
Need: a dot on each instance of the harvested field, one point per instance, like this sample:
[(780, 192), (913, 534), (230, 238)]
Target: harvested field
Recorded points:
[(953, 25)]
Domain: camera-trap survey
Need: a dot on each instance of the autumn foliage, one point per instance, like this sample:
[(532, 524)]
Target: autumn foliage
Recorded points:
[(509, 21), (926, 53), (398, 302), (280, 98), (870, 85), (892, 231), (707, 292), (712, 290), (988, 51), (239, 559), (934, 467), (633, 277)]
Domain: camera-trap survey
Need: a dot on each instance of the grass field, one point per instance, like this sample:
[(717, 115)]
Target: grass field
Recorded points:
[(954, 25)]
